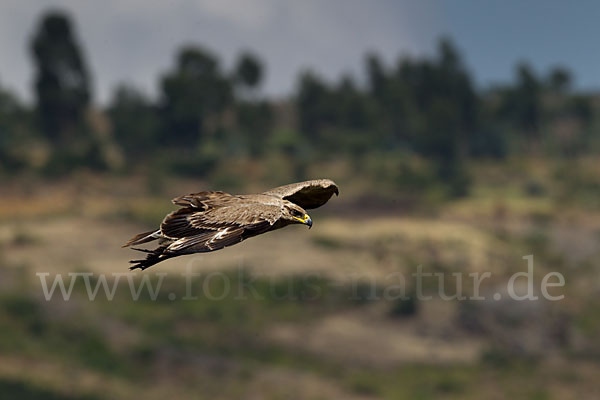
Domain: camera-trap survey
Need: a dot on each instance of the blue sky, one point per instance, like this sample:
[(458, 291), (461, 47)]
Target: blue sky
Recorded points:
[(134, 41), (494, 35)]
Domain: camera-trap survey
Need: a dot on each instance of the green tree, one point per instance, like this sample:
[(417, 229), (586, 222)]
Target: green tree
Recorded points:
[(314, 105), (134, 122), (527, 99), (254, 117), (249, 70), (456, 82), (351, 108), (376, 75), (194, 96), (62, 80), (255, 122), (559, 79), (14, 124), (443, 112)]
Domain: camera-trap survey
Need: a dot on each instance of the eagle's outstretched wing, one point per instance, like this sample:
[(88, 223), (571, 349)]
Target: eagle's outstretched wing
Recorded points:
[(209, 221), (212, 220), (308, 194)]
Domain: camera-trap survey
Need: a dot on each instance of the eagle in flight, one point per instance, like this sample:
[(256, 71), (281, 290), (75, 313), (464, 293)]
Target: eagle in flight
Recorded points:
[(209, 221)]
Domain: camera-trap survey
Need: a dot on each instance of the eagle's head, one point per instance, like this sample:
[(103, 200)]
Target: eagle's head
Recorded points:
[(295, 214)]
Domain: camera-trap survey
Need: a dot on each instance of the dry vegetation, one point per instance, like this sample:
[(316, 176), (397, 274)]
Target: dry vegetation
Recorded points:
[(344, 342)]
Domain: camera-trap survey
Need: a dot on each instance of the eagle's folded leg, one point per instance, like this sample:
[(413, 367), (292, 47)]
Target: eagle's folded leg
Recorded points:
[(153, 257)]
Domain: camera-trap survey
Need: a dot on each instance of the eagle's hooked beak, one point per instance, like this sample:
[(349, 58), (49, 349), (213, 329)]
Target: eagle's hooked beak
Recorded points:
[(306, 220)]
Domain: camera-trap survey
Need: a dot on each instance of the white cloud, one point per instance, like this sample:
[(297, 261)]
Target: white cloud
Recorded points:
[(253, 14), (135, 40)]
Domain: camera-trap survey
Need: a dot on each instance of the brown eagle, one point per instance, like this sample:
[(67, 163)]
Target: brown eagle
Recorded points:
[(209, 221)]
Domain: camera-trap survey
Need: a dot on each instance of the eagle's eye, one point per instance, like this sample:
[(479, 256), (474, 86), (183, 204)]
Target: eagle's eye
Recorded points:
[(297, 213)]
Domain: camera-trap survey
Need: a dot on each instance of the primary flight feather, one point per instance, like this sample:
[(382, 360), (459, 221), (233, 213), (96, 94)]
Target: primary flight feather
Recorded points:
[(209, 221)]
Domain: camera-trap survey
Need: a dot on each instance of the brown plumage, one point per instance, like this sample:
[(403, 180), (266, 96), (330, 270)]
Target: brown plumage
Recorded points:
[(209, 221)]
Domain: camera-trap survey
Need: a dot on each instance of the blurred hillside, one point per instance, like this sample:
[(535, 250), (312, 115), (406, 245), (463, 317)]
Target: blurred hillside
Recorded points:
[(434, 172), (414, 125)]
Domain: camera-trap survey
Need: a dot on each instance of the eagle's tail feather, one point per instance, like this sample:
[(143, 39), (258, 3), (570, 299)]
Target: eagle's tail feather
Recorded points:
[(141, 238)]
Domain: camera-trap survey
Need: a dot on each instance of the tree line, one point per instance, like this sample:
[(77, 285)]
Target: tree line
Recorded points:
[(425, 107)]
